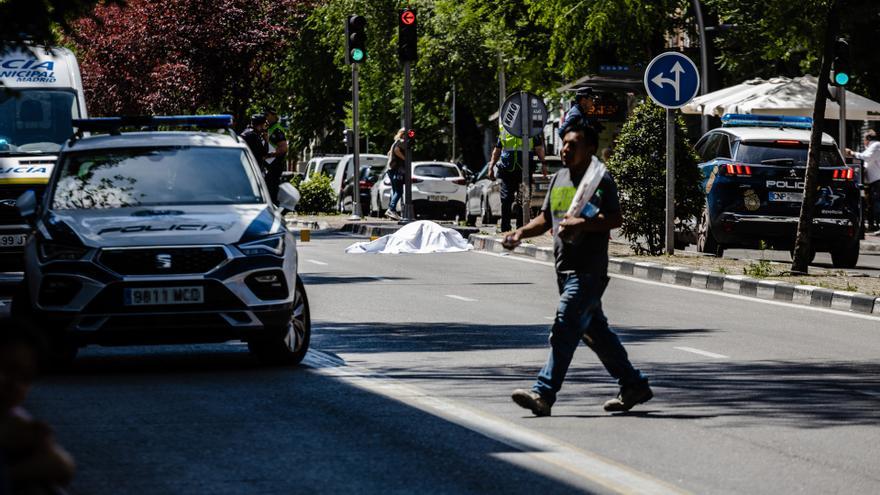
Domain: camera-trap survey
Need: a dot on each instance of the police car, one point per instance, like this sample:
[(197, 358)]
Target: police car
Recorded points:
[(161, 237), (753, 169)]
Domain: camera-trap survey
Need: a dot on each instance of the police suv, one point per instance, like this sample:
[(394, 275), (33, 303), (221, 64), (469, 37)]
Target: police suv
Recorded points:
[(161, 237), (753, 174)]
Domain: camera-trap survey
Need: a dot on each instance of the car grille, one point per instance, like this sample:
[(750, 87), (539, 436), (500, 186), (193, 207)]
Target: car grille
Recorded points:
[(163, 261), (9, 214)]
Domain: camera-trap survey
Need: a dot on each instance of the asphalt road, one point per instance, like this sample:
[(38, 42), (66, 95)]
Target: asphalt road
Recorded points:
[(408, 391)]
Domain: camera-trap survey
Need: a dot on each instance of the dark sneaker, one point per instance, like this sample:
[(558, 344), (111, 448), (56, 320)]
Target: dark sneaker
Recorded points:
[(629, 397), (529, 399)]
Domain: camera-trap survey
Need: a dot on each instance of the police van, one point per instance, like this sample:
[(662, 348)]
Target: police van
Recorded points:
[(42, 93), (753, 174)]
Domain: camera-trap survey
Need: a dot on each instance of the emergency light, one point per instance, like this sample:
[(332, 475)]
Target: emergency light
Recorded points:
[(746, 120)]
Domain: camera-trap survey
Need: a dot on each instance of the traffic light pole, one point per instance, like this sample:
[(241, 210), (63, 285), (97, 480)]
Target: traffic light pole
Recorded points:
[(356, 213), (408, 207), (841, 102)]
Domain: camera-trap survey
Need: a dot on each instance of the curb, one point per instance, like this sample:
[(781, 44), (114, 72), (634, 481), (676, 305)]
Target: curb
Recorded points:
[(807, 295), (371, 230), (315, 225)]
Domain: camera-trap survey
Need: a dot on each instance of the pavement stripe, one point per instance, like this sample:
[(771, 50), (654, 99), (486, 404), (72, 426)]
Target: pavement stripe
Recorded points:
[(534, 446), (316, 262), (702, 353), (461, 298), (835, 312)]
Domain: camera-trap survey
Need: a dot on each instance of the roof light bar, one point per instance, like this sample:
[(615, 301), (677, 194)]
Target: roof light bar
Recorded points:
[(746, 120), (111, 124)]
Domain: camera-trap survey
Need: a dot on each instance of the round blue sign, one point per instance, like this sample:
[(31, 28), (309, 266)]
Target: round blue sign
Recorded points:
[(672, 80)]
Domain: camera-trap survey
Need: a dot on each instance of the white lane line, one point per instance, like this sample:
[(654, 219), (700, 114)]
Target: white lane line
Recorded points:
[(316, 262), (835, 312), (703, 353), (461, 298), (551, 318), (535, 447)]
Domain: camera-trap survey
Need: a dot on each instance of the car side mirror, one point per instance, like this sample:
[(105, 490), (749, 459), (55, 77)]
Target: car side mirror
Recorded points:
[(27, 205), (288, 196)]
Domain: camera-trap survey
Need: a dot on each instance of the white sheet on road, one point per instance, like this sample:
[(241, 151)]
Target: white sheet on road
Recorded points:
[(418, 237)]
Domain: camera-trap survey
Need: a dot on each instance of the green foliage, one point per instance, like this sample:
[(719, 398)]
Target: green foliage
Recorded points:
[(758, 269), (317, 195), (639, 167)]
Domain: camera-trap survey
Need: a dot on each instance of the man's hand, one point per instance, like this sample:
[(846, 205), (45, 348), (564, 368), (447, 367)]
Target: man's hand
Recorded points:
[(491, 172), (511, 241), (569, 227), (848, 153)]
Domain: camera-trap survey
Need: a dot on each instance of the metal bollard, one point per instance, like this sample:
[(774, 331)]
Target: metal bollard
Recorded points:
[(305, 235)]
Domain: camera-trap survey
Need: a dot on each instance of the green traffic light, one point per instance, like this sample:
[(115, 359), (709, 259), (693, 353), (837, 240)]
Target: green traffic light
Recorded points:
[(357, 54), (841, 78)]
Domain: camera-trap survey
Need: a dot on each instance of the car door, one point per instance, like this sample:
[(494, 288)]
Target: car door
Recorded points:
[(475, 192)]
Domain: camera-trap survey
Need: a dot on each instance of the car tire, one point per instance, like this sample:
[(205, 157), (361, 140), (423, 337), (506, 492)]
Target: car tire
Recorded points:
[(706, 242), (471, 220), (57, 353), (287, 346), (846, 255)]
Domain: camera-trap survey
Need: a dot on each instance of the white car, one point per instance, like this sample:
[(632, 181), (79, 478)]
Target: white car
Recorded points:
[(439, 190), (484, 196), (345, 169), (321, 165)]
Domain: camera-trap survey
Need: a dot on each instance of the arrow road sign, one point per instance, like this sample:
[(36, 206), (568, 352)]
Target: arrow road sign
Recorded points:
[(672, 80)]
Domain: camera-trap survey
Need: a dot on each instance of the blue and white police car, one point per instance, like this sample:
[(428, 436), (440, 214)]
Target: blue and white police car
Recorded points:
[(753, 174), (161, 237)]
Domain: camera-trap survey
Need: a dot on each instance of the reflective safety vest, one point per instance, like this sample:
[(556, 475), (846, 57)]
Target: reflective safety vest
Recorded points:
[(511, 150), (509, 142)]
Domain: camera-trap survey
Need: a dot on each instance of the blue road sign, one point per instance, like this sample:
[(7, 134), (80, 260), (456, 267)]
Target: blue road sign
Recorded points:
[(672, 80)]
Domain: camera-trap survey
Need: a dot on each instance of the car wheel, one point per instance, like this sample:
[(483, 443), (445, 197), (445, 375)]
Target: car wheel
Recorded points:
[(846, 255), (706, 242), (471, 220), (58, 352), (288, 345)]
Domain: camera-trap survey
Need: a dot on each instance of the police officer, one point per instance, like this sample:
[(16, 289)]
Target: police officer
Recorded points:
[(254, 137), (580, 110), (508, 150), (276, 157)]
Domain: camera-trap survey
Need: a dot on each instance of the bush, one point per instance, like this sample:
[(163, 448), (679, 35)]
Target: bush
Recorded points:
[(317, 195), (639, 168)]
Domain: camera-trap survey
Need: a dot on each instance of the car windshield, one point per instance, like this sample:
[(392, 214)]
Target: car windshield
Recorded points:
[(372, 172), (436, 170), (34, 121), (117, 178), (785, 154), (329, 168)]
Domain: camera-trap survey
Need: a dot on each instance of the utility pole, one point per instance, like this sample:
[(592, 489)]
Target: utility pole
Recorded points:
[(452, 155), (355, 54), (704, 63), (670, 182), (525, 197), (502, 86)]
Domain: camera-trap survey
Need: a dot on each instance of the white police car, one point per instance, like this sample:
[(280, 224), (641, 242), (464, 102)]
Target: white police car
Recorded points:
[(162, 237)]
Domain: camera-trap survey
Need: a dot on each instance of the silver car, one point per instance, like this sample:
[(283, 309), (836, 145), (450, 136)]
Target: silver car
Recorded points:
[(161, 237)]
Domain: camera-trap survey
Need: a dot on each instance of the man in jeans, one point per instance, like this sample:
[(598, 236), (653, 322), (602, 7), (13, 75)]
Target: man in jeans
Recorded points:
[(581, 249)]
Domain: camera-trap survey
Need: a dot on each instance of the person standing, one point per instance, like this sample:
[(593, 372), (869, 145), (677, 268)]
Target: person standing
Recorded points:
[(580, 110), (396, 164), (871, 158), (581, 250), (508, 152), (254, 136), (276, 156)]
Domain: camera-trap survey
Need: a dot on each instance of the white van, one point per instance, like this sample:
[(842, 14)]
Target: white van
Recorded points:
[(344, 172), (42, 93)]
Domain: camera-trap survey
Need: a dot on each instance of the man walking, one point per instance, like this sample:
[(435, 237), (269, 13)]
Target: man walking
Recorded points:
[(276, 157), (581, 250), (871, 158), (508, 150)]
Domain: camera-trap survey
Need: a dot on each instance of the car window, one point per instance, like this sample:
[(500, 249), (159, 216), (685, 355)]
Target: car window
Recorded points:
[(436, 170), (723, 149), (717, 146), (329, 168), (553, 166), (785, 154), (117, 178)]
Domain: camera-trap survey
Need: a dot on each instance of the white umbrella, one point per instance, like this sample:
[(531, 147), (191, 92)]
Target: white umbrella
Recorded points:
[(779, 96)]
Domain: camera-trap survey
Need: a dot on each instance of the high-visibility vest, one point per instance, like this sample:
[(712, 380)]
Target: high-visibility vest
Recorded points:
[(509, 142)]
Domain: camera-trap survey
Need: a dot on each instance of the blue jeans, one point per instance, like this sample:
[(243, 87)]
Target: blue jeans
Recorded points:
[(579, 317), (397, 180)]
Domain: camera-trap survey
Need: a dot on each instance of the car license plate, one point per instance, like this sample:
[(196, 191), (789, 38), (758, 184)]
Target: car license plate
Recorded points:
[(435, 197), (13, 240), (787, 197), (155, 296)]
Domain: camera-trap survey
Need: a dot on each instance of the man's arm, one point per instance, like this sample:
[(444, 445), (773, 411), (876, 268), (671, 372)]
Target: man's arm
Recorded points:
[(539, 151), (496, 155), (536, 227), (602, 222)]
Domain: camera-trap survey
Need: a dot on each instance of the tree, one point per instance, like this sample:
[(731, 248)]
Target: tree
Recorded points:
[(39, 21), (639, 167), (182, 56)]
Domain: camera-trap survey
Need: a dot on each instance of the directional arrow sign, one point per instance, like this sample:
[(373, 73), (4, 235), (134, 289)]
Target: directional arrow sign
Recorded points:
[(672, 80)]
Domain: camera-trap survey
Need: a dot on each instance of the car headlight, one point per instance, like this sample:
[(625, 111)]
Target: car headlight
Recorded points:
[(273, 244), (52, 251)]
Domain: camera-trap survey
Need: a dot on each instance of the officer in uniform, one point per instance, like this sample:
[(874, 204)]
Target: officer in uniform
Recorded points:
[(508, 150), (276, 158), (580, 110)]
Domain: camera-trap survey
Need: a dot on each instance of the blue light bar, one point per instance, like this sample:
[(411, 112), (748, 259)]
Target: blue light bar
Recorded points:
[(113, 124), (746, 120)]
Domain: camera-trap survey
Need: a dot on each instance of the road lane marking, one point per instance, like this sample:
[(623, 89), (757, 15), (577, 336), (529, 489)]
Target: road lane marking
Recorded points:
[(703, 353), (316, 262), (461, 298), (534, 446), (835, 312), (551, 318)]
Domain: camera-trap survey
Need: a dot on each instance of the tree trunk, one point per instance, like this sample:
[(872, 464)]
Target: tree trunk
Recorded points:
[(800, 263)]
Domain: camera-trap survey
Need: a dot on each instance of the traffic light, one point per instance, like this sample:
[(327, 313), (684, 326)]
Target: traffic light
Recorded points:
[(348, 138), (355, 39), (840, 71), (406, 35), (411, 134)]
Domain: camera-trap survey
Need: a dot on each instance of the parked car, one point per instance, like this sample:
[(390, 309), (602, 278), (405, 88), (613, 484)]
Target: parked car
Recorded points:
[(159, 238), (753, 174), (369, 175), (322, 165), (439, 191), (345, 169), (484, 196)]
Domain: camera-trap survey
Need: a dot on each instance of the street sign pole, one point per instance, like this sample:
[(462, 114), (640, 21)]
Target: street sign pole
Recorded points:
[(525, 115), (670, 181), (408, 209), (841, 102), (356, 213)]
